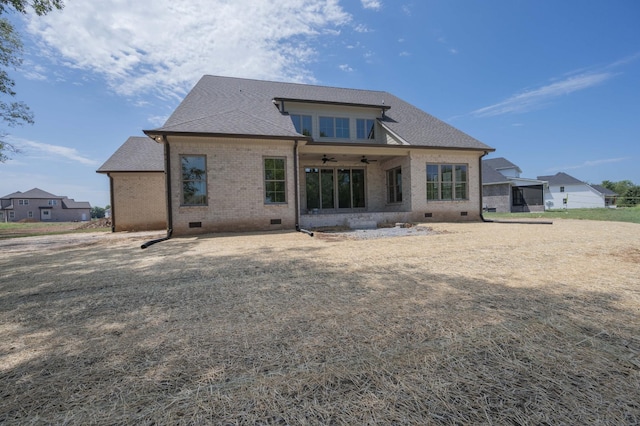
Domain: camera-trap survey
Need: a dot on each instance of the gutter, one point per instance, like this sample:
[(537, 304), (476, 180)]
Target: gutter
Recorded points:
[(112, 216), (167, 180)]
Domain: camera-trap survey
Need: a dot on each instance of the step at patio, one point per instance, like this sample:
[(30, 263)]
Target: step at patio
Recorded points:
[(362, 224)]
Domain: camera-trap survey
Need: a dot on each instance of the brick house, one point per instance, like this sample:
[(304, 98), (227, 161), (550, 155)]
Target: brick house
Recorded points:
[(504, 191), (137, 186), (242, 155), (38, 205)]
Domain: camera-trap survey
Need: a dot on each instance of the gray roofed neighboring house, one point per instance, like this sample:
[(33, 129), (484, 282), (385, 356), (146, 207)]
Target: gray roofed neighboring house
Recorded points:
[(504, 191), (566, 192), (38, 205)]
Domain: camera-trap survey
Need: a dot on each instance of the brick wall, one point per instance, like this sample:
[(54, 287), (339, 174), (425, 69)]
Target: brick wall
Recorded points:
[(139, 201), (235, 186), (497, 197)]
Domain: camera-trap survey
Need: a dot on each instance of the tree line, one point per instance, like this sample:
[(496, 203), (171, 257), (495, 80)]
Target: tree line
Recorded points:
[(628, 193)]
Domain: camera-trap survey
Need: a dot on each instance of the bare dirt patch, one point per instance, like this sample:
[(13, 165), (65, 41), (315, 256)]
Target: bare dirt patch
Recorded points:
[(474, 323)]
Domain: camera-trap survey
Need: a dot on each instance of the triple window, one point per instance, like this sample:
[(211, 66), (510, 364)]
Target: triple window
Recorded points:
[(447, 182), (335, 188), (194, 180)]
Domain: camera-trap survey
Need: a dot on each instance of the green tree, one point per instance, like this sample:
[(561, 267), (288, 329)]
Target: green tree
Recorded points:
[(97, 212), (628, 192), (14, 113)]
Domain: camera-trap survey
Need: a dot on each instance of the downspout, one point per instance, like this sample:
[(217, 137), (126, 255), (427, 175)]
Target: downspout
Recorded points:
[(113, 217), (167, 173), (481, 187), (297, 189)]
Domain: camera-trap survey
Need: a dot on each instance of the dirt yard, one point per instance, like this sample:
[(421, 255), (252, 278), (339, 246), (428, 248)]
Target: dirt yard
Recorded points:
[(479, 323)]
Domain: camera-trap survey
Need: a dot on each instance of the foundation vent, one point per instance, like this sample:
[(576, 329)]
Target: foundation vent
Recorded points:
[(276, 221), (195, 224), (428, 215), (463, 213)]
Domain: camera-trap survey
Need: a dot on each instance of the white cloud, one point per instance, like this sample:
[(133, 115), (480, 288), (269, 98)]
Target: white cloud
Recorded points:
[(165, 46), (345, 67), (589, 163), (31, 148), (532, 99), (372, 4), (362, 28)]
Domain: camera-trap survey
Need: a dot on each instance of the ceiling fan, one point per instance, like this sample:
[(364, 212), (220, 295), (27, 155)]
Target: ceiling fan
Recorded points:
[(365, 160), (325, 159)]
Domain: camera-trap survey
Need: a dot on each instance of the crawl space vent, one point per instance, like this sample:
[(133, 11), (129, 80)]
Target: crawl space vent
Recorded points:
[(195, 224)]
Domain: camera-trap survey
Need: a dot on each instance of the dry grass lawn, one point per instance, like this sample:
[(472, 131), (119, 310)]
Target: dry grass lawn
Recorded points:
[(479, 323)]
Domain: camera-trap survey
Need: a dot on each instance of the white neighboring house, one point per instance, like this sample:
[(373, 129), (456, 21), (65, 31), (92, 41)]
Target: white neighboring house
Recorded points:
[(566, 192)]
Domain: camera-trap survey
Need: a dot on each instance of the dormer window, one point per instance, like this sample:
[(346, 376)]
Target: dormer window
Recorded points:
[(365, 128), (334, 127), (302, 123)]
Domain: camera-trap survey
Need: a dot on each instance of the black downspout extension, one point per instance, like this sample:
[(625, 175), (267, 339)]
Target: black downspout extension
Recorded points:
[(167, 172)]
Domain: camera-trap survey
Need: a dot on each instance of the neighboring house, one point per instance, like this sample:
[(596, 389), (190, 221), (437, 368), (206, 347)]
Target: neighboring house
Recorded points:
[(38, 205), (246, 155), (137, 186), (504, 191), (567, 192), (608, 195)]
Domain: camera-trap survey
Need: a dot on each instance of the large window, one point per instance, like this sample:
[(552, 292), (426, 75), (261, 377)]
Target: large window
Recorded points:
[(394, 185), (365, 128), (335, 188), (52, 202), (302, 123), (23, 202), (447, 182), (334, 127), (194, 180), (275, 184)]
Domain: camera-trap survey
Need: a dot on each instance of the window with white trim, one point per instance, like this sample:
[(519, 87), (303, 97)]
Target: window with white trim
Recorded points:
[(52, 202), (30, 214), (23, 202), (447, 182)]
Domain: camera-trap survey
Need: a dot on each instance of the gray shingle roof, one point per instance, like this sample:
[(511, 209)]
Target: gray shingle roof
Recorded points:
[(491, 175), (69, 203), (501, 163), (561, 178), (603, 190), (137, 154), (235, 106), (34, 193)]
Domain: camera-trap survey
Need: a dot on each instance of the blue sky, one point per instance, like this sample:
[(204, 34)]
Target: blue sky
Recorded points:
[(551, 85)]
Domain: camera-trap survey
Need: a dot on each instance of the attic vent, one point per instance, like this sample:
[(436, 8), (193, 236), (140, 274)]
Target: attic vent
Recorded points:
[(428, 215), (276, 221), (195, 224), (463, 213)]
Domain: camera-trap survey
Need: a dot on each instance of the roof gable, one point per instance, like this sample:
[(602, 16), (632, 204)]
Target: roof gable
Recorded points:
[(501, 163), (235, 106), (136, 154), (34, 193), (561, 178), (491, 175)]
